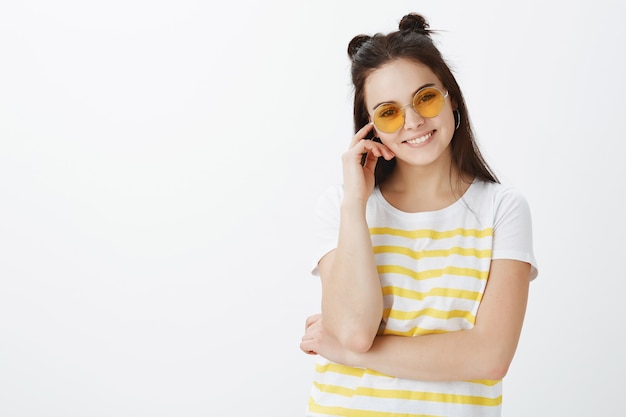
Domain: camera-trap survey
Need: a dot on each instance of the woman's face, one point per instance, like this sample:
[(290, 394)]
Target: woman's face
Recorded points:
[(419, 140)]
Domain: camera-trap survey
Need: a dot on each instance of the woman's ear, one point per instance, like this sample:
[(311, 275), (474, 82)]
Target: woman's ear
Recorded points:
[(457, 118)]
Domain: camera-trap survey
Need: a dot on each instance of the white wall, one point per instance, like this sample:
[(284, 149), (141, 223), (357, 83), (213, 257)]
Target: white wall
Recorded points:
[(158, 165)]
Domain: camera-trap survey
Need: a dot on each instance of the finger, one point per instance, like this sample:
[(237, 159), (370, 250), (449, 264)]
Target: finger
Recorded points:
[(361, 134), (370, 161), (366, 147), (307, 349), (311, 319), (378, 148)]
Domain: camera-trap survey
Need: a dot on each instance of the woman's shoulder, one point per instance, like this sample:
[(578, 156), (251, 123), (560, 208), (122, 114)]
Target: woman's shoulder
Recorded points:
[(501, 199), (495, 197), (497, 190)]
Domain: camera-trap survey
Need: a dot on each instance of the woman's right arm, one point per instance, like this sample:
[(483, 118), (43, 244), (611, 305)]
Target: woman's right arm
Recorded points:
[(352, 301)]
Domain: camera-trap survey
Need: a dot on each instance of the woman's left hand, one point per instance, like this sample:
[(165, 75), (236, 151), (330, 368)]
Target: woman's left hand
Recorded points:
[(318, 341)]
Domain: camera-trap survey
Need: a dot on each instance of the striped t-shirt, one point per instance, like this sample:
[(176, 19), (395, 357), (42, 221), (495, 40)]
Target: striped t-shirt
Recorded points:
[(433, 269)]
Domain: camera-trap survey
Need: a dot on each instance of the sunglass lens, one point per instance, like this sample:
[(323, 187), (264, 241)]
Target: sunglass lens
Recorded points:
[(428, 102), (388, 118)]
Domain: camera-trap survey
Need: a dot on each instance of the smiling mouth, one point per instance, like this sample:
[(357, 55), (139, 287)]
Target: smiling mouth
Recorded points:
[(419, 140)]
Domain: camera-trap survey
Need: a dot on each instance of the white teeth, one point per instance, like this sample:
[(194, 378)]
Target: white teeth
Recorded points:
[(419, 140)]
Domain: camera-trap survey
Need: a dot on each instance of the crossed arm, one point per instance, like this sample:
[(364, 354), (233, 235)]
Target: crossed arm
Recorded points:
[(348, 336)]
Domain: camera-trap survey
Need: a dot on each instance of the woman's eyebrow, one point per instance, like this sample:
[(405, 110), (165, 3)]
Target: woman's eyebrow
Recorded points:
[(414, 92)]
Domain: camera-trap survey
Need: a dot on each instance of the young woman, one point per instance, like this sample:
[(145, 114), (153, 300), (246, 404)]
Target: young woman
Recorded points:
[(425, 258)]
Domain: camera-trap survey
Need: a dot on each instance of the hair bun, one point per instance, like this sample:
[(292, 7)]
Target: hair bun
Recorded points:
[(356, 43), (414, 22)]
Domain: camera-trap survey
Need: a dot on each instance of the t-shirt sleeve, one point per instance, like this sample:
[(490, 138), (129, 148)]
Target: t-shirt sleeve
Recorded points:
[(326, 231), (513, 236)]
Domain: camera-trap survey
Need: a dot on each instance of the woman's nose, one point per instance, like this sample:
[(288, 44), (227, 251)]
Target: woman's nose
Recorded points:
[(412, 119)]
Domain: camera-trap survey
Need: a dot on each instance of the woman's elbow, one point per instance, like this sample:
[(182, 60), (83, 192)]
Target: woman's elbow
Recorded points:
[(358, 342), (494, 355), (497, 370), (496, 365)]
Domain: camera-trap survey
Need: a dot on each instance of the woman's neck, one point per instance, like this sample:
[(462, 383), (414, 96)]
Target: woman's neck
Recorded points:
[(424, 188)]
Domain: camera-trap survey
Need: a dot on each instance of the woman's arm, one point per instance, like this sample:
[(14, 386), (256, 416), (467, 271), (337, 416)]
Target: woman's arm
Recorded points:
[(352, 300), (483, 352)]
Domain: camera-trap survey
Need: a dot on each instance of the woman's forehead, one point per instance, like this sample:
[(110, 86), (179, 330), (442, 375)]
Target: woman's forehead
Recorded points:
[(397, 81)]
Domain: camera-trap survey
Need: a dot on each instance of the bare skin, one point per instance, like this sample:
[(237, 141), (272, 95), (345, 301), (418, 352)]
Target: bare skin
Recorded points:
[(354, 303)]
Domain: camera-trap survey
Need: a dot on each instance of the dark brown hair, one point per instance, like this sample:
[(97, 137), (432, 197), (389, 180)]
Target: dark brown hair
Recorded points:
[(412, 41)]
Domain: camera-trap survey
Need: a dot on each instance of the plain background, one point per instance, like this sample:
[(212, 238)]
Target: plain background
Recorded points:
[(159, 162)]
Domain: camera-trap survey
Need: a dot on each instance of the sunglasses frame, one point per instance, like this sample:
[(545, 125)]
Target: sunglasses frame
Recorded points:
[(411, 104)]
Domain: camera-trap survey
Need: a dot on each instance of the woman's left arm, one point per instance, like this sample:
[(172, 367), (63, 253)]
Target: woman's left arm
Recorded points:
[(483, 352)]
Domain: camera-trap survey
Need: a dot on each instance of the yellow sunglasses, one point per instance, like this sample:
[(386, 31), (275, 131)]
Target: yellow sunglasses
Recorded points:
[(427, 102)]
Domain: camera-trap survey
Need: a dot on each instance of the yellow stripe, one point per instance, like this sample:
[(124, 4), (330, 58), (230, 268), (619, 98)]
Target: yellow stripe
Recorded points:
[(414, 331), (343, 412), (488, 382), (347, 370), (359, 372), (429, 396), (433, 292), (335, 389), (430, 312), (401, 250), (431, 234), (433, 273), (411, 395)]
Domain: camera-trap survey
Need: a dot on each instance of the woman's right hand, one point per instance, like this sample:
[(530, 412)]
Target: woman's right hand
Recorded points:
[(358, 177)]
